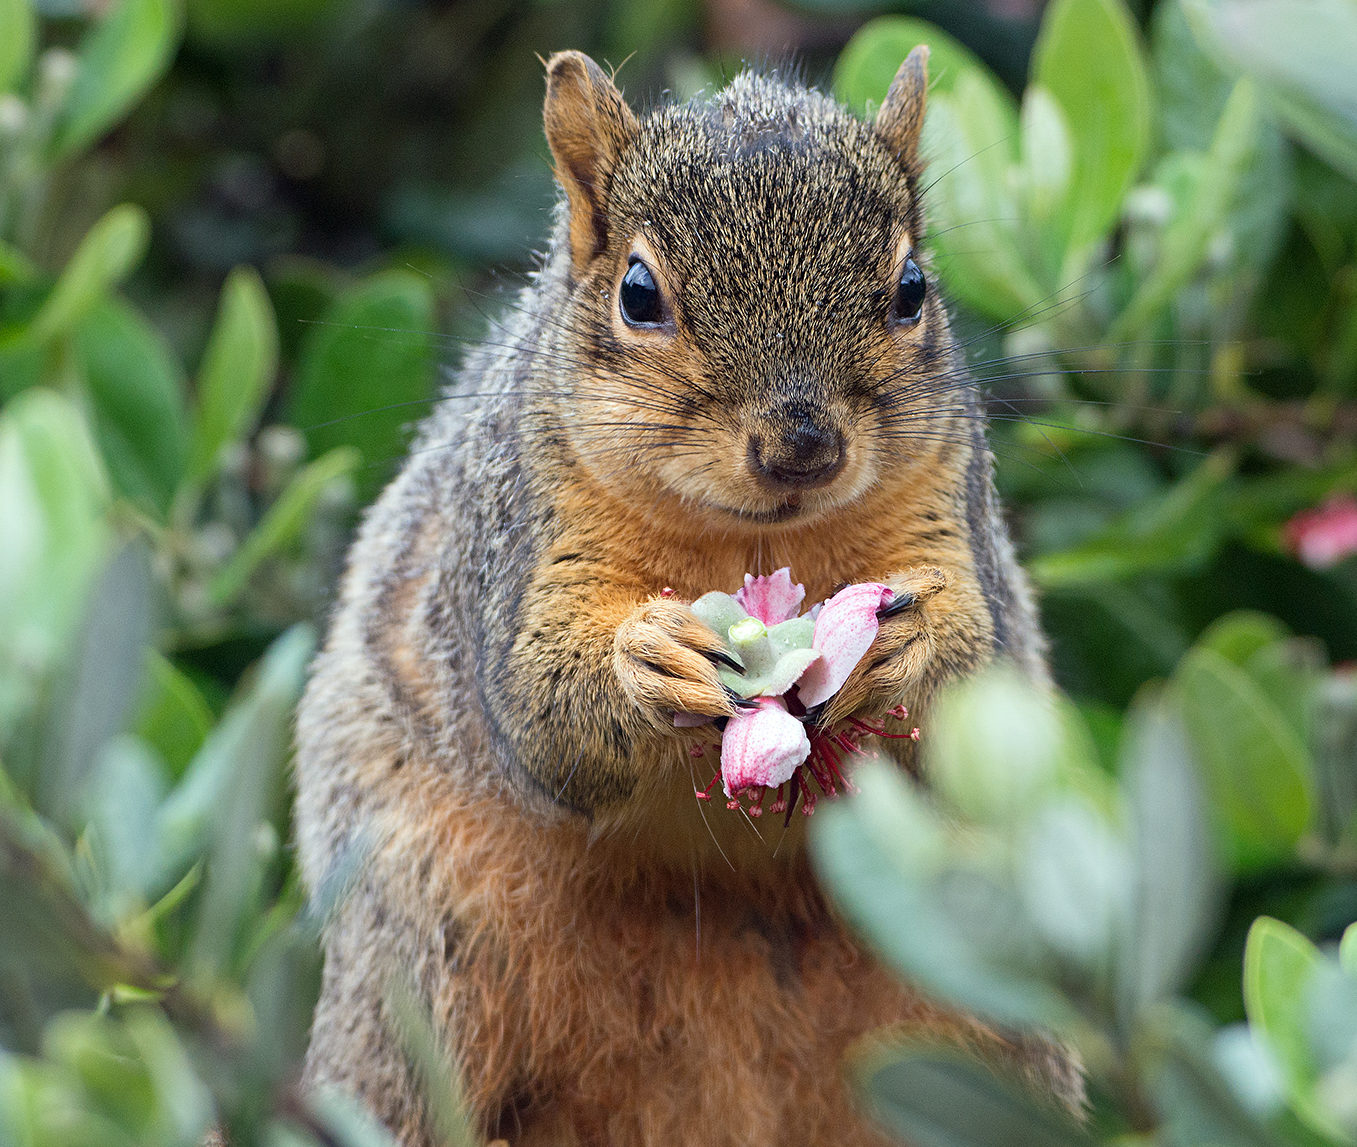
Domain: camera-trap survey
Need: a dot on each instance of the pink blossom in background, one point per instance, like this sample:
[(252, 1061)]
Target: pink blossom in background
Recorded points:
[(1324, 536)]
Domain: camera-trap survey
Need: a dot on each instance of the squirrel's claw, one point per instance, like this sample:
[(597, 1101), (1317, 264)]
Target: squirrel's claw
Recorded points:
[(723, 658)]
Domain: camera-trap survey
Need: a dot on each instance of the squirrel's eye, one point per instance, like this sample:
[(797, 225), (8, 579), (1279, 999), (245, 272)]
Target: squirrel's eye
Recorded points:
[(640, 297), (909, 293)]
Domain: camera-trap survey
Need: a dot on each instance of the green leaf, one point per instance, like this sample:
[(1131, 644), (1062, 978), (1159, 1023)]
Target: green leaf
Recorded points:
[(53, 493), (1256, 767), (137, 402), (1196, 1103), (173, 716), (97, 692), (869, 61), (1299, 52), (934, 1097), (230, 789), (366, 371), (1280, 966), (1176, 900), (1047, 160), (113, 247), (283, 523), (18, 32), (1089, 57), (1237, 637), (1188, 235), (122, 803), (953, 933), (237, 367), (120, 58)]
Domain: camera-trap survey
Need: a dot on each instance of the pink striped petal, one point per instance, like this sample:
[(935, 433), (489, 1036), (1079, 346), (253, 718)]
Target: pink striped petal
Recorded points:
[(762, 746), (771, 599), (844, 629)]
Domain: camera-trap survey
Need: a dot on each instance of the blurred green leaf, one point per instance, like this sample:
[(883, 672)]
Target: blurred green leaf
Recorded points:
[(121, 803), (136, 397), (1347, 950), (942, 929), (123, 54), (1256, 767), (1193, 1098), (1237, 637), (112, 248), (18, 32), (1047, 163), (52, 496), (1300, 54), (1188, 235), (933, 1097), (1089, 57), (237, 368), (94, 697), (285, 519), (251, 23), (366, 371), (250, 746), (869, 61), (1175, 904), (1280, 966), (173, 715)]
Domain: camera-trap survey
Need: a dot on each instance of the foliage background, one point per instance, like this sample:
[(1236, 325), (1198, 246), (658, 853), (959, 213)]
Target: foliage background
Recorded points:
[(241, 239)]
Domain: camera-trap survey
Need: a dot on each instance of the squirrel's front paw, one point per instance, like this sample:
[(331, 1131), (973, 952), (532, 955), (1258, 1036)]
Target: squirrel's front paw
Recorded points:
[(666, 661), (898, 655)]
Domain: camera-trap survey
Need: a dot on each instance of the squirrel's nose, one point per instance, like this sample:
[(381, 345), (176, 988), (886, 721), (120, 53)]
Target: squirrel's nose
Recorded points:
[(804, 452)]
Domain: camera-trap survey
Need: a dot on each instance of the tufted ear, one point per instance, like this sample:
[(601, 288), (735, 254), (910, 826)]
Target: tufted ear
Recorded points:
[(901, 118), (587, 125)]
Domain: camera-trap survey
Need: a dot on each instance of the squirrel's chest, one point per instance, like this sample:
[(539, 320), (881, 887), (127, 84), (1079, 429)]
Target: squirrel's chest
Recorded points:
[(661, 1011)]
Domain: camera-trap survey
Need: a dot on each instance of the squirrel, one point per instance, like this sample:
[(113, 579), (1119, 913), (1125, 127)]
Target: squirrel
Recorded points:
[(733, 358)]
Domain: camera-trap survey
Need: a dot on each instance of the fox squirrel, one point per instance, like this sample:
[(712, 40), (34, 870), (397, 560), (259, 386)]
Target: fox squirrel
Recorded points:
[(732, 359)]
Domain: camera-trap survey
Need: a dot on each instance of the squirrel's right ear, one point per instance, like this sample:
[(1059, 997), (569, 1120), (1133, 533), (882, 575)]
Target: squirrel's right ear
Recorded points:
[(900, 119), (587, 124)]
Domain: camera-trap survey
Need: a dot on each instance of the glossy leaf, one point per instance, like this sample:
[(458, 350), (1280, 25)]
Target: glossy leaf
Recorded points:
[(1257, 769), (1089, 57), (237, 368), (136, 398), (869, 61), (365, 370), (18, 32), (113, 247), (123, 54)]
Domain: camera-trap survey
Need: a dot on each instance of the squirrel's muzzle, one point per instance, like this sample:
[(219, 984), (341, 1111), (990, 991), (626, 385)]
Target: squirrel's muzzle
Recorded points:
[(796, 449)]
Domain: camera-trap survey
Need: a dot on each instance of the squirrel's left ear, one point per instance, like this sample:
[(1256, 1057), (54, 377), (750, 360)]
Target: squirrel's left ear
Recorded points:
[(587, 124), (901, 117)]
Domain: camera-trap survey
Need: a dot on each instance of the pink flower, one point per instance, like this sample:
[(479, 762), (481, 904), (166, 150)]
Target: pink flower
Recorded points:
[(1323, 537), (762, 747), (844, 629), (771, 599)]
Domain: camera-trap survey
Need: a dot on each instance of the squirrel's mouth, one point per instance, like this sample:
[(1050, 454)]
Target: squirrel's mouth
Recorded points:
[(788, 509)]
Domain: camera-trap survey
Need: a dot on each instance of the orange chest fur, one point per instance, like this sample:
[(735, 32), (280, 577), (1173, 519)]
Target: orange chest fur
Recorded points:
[(651, 1007)]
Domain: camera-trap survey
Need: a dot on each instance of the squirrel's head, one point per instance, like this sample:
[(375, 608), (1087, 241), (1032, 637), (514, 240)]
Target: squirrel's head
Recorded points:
[(748, 324)]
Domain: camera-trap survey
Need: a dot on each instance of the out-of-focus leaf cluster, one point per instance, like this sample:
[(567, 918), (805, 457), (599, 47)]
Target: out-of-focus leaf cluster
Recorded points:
[(228, 232)]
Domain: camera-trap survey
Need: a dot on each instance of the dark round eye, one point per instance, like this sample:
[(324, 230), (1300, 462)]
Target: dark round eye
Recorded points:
[(640, 297), (909, 293)]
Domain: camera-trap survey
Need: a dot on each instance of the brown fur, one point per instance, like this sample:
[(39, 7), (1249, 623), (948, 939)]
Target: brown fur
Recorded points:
[(490, 725)]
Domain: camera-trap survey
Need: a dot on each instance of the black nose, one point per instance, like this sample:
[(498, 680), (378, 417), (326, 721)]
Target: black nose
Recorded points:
[(801, 450)]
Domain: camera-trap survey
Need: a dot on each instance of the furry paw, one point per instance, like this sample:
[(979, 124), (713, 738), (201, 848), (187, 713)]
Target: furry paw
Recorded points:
[(666, 660), (903, 647)]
